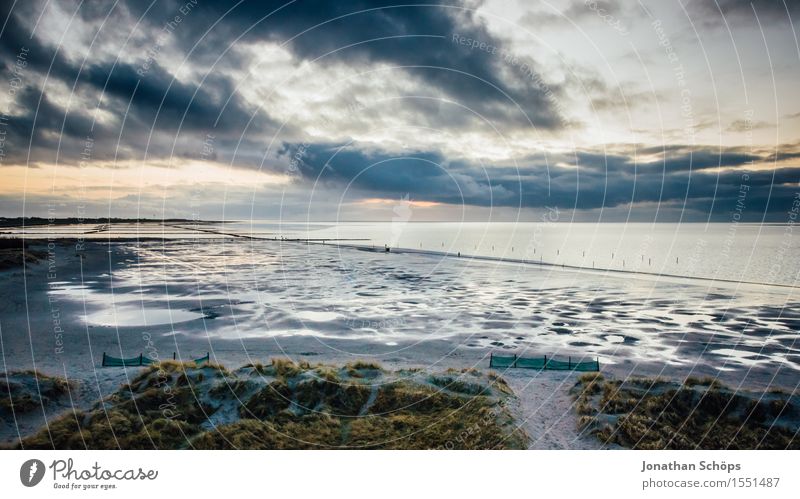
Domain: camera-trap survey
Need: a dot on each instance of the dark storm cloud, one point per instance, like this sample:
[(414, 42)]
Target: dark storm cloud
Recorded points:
[(149, 106), (44, 127), (148, 103), (158, 104), (362, 32), (158, 99), (674, 159), (16, 34), (427, 176), (377, 170)]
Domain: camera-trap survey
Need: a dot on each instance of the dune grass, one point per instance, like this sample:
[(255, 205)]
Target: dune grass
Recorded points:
[(292, 405), (643, 413), (14, 252), (158, 409), (24, 391)]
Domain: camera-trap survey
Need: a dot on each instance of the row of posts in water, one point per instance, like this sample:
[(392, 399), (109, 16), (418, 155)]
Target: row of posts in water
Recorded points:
[(387, 248)]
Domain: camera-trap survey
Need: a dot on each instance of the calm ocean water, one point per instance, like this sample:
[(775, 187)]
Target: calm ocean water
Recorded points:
[(723, 251), (738, 252)]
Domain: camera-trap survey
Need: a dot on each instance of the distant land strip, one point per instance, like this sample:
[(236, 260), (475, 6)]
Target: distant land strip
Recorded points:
[(12, 222)]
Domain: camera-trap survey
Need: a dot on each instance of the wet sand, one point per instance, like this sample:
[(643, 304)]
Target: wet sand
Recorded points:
[(246, 301)]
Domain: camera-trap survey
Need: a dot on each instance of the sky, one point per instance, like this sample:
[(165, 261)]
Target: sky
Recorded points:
[(644, 111)]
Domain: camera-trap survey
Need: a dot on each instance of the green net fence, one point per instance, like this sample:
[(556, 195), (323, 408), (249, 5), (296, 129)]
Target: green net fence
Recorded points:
[(546, 363), (141, 360)]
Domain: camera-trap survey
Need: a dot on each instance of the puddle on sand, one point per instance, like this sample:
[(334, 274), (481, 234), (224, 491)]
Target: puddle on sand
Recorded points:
[(619, 320), (126, 313), (317, 316), (127, 316)]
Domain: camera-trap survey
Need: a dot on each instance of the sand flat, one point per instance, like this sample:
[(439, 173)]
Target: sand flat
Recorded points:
[(247, 301)]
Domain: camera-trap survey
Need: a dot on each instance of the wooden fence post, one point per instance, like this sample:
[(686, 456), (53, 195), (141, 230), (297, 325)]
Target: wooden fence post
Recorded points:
[(104, 359), (141, 356)]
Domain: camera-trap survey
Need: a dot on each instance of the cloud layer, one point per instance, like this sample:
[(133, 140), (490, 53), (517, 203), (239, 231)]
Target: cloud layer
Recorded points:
[(447, 102)]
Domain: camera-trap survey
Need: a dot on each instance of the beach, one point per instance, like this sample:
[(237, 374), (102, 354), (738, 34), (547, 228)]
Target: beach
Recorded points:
[(246, 301)]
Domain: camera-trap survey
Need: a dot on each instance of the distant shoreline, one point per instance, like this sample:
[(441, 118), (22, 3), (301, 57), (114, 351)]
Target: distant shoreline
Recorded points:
[(14, 222), (9, 222)]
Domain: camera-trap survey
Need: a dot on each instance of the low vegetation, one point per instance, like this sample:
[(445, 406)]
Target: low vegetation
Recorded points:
[(15, 252), (25, 391), (643, 413), (289, 405)]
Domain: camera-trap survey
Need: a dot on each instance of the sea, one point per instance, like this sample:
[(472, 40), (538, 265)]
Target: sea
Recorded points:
[(734, 252)]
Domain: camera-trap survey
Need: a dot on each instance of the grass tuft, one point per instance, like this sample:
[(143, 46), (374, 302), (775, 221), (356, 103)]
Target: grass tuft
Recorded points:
[(22, 392), (298, 406), (698, 414)]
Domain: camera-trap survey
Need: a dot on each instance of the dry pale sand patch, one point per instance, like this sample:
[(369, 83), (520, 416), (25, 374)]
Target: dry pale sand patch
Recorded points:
[(545, 409)]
